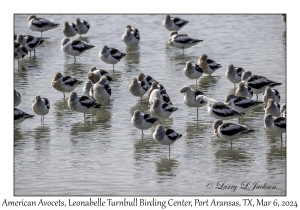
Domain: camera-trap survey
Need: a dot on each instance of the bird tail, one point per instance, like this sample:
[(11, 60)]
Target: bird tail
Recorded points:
[(97, 105), (197, 40), (90, 46), (179, 135), (41, 41), (174, 109), (79, 82), (109, 78), (273, 84), (29, 115)]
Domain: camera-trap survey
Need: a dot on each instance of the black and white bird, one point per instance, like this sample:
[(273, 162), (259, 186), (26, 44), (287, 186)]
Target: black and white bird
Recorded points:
[(182, 41), (40, 24), (19, 52), (165, 136), (174, 23), (81, 26), (29, 42), (257, 83), (192, 71), (230, 131), (131, 37), (161, 95), (272, 108), (233, 74), (20, 116), (82, 104), (65, 84), (219, 110), (41, 106), (17, 98), (271, 93), (95, 74), (69, 29), (161, 110), (244, 90), (241, 104), (87, 87), (147, 79), (209, 66), (111, 55), (74, 47), (138, 88), (142, 121), (101, 91), (275, 124), (155, 85), (190, 96), (283, 110)]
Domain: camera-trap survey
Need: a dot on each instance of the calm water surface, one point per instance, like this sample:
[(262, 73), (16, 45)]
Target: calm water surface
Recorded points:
[(106, 155)]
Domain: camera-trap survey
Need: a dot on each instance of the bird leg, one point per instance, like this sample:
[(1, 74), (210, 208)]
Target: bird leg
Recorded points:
[(169, 151)]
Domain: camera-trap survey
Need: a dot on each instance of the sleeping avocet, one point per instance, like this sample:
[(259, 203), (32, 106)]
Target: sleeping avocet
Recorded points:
[(81, 26), (40, 24), (161, 110), (41, 106), (131, 37), (69, 29), (20, 116), (271, 93), (192, 71), (272, 108), (110, 55), (174, 23), (101, 91), (142, 121), (95, 74), (241, 104), (74, 47), (233, 74), (275, 124), (209, 66), (138, 88), (244, 91), (161, 95), (30, 42), (182, 41)]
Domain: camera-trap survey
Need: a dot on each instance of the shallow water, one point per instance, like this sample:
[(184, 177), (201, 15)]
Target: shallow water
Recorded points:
[(106, 155)]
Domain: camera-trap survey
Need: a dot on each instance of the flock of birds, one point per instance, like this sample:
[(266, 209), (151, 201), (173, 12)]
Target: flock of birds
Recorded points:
[(97, 91)]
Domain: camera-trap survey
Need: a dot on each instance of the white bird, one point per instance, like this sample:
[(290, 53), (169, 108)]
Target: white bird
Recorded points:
[(233, 74), (182, 41), (161, 95), (138, 88), (271, 93), (192, 71), (29, 42), (95, 74), (81, 26), (17, 98), (244, 91), (101, 91), (82, 104), (230, 131), (165, 136), (241, 104), (40, 24), (219, 110), (275, 124), (131, 37), (272, 108), (74, 47), (20, 116), (65, 84), (110, 55), (142, 121), (174, 23), (41, 106), (161, 110), (87, 87), (190, 96), (257, 83), (209, 66), (69, 29)]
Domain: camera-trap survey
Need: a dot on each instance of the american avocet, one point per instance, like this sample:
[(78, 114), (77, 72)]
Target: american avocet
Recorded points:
[(81, 26), (219, 110), (41, 106), (233, 74), (161, 95), (138, 88), (87, 87), (190, 96), (244, 91), (182, 41), (17, 98), (241, 104), (69, 29), (82, 104), (165, 136), (20, 116), (174, 23), (95, 74), (257, 83), (275, 124), (230, 131), (131, 37), (74, 47), (161, 110), (142, 121), (64, 84), (147, 79), (272, 108), (101, 91), (192, 71), (271, 93), (155, 85), (209, 66), (40, 24), (110, 55), (19, 51), (30, 42)]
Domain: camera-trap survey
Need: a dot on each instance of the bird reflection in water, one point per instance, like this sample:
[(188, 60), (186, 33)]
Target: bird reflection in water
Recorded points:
[(165, 168), (207, 81), (232, 155)]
